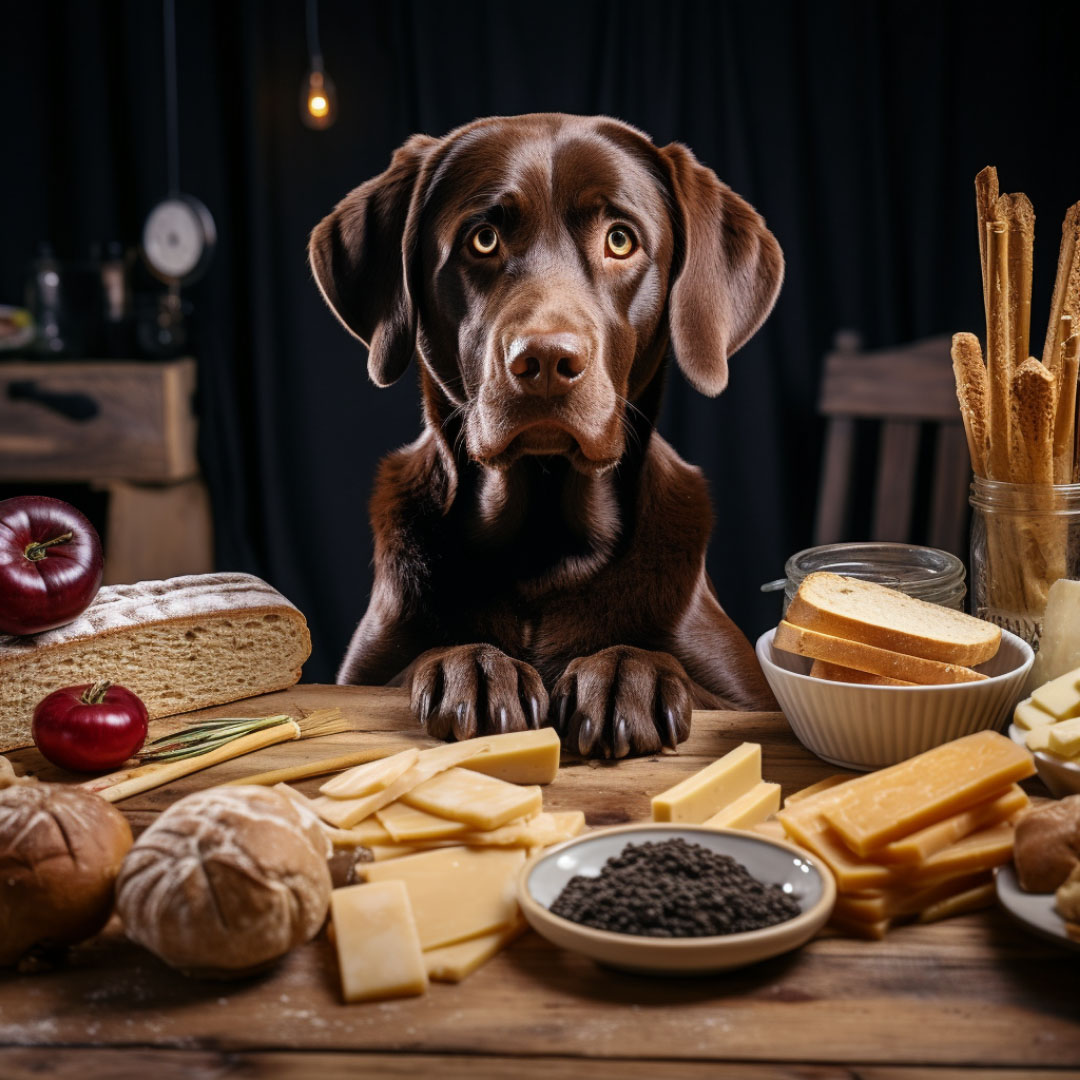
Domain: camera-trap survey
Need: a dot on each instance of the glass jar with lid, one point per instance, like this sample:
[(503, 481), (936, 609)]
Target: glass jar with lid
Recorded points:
[(923, 572)]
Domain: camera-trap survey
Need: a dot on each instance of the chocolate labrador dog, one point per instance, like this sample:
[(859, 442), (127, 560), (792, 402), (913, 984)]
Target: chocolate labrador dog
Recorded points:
[(540, 535)]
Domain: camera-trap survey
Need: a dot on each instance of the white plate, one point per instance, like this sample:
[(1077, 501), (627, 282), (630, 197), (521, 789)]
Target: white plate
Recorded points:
[(772, 861), (1060, 776), (1034, 910)]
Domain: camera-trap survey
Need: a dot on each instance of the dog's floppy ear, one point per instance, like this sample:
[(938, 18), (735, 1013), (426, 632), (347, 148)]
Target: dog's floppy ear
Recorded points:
[(729, 275), (359, 255)]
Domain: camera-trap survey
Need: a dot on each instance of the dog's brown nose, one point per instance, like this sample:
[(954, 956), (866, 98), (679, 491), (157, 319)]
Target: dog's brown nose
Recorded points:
[(547, 364)]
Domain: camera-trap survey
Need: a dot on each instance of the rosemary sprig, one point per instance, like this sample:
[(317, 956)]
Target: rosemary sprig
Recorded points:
[(208, 735)]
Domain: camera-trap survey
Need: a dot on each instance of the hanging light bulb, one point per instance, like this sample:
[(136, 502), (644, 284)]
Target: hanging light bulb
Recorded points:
[(318, 97)]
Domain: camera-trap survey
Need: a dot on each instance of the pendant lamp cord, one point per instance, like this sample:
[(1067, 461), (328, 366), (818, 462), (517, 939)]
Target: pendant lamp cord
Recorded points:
[(314, 49), (172, 120)]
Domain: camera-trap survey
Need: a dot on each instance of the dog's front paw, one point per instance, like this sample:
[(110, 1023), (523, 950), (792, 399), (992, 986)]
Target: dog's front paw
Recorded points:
[(622, 701), (465, 690)]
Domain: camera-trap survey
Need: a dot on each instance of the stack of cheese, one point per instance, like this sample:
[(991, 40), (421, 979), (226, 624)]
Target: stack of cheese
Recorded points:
[(857, 631), (449, 829), (916, 839), (1051, 717), (728, 794)]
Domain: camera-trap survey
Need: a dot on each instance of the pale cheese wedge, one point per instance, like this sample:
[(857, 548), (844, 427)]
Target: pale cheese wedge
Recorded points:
[(1065, 738), (1061, 696), (474, 798), (407, 824), (1029, 716), (456, 893), (1059, 643), (452, 963), (695, 799), (756, 805), (369, 778), (519, 757)]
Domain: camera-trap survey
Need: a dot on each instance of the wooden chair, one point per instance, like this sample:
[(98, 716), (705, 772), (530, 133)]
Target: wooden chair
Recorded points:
[(903, 388)]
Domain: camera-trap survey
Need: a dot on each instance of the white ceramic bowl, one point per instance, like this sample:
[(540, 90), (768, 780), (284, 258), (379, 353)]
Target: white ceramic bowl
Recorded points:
[(1060, 776), (772, 861), (868, 727)]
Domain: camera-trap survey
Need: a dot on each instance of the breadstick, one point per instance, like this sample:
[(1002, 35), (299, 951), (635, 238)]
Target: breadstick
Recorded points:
[(971, 391), (1065, 419), (1066, 298), (998, 351), (1016, 212), (1033, 387), (986, 197)]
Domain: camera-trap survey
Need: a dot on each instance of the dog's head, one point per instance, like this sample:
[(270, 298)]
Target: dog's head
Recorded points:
[(538, 265)]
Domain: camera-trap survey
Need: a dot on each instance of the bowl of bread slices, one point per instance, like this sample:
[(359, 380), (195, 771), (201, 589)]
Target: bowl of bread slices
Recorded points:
[(868, 676)]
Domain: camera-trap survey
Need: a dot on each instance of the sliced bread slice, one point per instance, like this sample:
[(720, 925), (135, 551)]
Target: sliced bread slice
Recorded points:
[(854, 654), (822, 669), (888, 619)]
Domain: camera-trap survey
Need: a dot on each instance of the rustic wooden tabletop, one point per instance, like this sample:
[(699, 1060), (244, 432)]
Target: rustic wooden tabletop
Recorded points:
[(969, 996)]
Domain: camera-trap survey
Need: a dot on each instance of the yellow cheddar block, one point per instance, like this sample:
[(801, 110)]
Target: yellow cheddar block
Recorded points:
[(920, 845), (519, 757), (810, 830), (452, 963), (346, 813), (407, 824), (474, 799), (817, 789), (1065, 738), (456, 893), (982, 850), (876, 809), (377, 944), (367, 779), (698, 797), (1061, 696), (749, 809), (899, 901), (1028, 716), (973, 899)]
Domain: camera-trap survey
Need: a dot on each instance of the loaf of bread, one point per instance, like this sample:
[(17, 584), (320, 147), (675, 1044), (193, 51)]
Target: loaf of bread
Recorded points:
[(1046, 846), (226, 881), (181, 644)]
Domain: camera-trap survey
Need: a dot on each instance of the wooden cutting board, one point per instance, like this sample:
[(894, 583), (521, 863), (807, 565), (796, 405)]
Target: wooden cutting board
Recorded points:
[(972, 993)]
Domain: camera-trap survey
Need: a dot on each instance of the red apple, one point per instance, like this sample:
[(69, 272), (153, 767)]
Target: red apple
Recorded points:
[(91, 728), (50, 564)]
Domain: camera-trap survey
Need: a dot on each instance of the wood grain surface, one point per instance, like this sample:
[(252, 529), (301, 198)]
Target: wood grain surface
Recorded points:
[(948, 1000)]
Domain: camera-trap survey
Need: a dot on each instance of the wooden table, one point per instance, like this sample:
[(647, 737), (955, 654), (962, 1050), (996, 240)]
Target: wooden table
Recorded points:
[(971, 996)]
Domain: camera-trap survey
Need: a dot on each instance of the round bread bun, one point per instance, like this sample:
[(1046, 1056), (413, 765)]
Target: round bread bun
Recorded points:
[(1046, 846), (226, 881), (61, 849)]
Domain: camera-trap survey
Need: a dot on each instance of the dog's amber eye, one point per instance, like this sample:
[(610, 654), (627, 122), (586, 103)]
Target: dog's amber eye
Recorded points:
[(485, 240), (620, 242)]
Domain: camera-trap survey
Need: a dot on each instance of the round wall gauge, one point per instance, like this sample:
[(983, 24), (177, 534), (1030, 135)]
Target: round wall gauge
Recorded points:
[(178, 239)]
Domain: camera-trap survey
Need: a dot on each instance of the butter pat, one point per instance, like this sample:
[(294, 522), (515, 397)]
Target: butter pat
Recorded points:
[(749, 809), (1060, 697), (519, 757), (1065, 738), (452, 963), (698, 797), (456, 893), (1029, 716), (475, 799), (377, 944)]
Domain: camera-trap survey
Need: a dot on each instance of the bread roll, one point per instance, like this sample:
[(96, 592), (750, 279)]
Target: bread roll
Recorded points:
[(60, 852), (226, 881), (1046, 847)]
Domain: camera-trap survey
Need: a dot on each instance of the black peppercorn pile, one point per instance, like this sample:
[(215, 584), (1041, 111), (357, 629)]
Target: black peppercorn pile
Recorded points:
[(673, 889)]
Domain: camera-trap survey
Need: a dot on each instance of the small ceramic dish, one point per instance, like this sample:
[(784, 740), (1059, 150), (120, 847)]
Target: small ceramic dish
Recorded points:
[(1060, 776), (772, 861), (869, 727), (1035, 911)]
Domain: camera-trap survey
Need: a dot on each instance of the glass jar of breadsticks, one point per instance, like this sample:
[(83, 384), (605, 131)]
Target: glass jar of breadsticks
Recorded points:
[(1020, 416)]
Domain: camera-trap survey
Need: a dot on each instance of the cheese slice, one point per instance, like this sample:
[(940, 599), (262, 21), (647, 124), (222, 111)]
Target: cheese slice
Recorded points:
[(770, 828), (1061, 696), (708, 791), (973, 899), (371, 777), (811, 831), (1037, 740), (1065, 738), (345, 813), (475, 799), (893, 802), (920, 845), (747, 810), (982, 850), (1028, 715), (456, 893), (377, 944), (406, 824), (452, 963), (382, 852), (519, 757), (540, 831), (1059, 643), (853, 927), (901, 901), (816, 789)]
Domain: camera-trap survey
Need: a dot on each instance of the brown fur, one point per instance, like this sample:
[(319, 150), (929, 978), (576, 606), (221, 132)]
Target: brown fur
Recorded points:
[(540, 536)]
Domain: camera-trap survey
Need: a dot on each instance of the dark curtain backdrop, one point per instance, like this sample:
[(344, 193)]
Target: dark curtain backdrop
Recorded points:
[(856, 128)]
